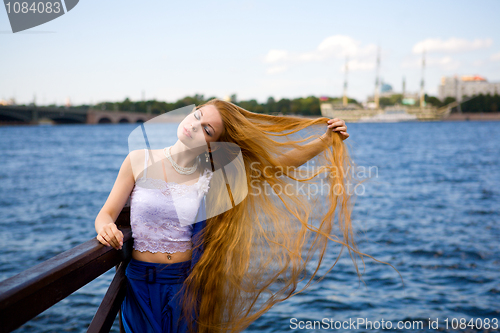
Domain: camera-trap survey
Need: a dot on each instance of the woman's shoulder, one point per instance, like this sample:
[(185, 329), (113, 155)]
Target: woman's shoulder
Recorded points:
[(140, 154), (137, 153), (137, 158)]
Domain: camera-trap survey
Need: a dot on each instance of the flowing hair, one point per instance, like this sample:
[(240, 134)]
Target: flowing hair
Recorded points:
[(256, 253)]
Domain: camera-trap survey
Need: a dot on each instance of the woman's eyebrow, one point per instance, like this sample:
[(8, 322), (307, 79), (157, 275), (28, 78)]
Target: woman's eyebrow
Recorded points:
[(213, 129)]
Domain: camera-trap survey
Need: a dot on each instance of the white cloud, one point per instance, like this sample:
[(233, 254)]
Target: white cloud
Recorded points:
[(276, 56), (451, 45), (333, 47), (445, 63), (495, 57)]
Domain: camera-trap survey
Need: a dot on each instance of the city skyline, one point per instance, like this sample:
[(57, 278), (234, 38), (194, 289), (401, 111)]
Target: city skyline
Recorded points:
[(253, 49)]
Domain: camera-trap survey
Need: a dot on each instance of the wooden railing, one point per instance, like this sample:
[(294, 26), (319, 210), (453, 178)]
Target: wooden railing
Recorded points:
[(27, 294)]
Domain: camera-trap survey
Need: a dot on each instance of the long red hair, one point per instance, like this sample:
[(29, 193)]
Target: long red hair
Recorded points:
[(256, 253)]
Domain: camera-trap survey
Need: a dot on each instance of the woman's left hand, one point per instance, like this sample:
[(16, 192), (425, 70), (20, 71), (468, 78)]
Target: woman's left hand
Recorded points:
[(338, 125)]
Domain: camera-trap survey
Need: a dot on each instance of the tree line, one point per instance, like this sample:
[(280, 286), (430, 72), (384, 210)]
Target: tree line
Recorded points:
[(302, 106)]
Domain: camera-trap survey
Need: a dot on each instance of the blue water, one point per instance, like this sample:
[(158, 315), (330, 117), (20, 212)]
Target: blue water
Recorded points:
[(432, 209)]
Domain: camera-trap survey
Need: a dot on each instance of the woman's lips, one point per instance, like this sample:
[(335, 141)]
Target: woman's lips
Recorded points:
[(187, 132)]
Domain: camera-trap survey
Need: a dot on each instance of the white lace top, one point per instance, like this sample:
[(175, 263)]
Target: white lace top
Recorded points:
[(162, 213)]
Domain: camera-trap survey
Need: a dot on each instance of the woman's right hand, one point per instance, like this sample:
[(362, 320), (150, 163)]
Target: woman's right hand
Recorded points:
[(109, 235), (107, 232)]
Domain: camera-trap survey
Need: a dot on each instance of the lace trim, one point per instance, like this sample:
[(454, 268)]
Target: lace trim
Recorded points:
[(164, 247)]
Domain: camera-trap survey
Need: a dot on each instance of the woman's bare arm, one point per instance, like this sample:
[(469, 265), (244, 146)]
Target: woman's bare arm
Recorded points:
[(107, 232), (297, 157)]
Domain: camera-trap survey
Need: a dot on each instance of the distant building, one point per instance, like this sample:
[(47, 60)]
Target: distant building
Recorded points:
[(385, 88), (466, 86), (10, 101), (409, 101), (407, 98)]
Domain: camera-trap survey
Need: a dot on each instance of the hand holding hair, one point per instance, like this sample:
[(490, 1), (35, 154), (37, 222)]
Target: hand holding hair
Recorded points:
[(337, 125)]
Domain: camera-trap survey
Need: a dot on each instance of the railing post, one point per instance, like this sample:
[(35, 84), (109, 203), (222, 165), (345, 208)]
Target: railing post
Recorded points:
[(111, 303)]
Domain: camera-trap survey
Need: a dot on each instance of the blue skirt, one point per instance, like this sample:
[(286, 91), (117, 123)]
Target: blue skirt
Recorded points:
[(153, 300)]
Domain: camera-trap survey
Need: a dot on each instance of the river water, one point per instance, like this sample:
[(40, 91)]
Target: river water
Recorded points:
[(432, 210)]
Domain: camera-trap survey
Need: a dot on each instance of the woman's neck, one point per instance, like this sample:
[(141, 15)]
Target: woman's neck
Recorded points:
[(183, 155)]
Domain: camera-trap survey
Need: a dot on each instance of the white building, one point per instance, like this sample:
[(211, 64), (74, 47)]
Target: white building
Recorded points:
[(466, 86)]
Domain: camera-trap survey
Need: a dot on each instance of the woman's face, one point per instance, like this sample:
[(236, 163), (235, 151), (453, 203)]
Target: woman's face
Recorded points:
[(201, 126)]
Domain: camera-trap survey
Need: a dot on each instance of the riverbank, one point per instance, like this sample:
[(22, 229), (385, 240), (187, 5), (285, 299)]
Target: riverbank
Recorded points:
[(485, 116), (466, 116)]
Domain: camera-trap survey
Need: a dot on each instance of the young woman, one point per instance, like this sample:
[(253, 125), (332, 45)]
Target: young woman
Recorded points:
[(215, 257)]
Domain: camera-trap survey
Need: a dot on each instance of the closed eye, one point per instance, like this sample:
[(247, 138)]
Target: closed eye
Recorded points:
[(197, 116)]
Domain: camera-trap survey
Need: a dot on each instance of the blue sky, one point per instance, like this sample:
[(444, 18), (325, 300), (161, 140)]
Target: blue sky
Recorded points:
[(110, 50)]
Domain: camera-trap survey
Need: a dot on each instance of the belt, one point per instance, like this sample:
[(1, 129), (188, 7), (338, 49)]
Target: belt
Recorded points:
[(158, 273)]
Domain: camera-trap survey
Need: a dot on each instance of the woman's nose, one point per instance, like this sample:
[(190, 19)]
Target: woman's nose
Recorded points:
[(195, 124)]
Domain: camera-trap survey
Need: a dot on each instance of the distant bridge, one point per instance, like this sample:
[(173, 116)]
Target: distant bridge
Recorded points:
[(13, 114)]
